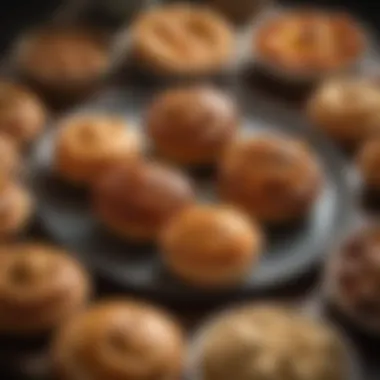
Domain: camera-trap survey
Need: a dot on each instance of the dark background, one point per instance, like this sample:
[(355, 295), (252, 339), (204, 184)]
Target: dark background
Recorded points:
[(16, 15)]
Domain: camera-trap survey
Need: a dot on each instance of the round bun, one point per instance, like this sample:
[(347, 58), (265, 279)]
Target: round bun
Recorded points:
[(10, 159), (16, 208), (63, 60), (274, 179), (88, 144), (135, 201), (347, 110), (309, 43), (182, 40), (368, 161), (192, 125), (40, 287), (211, 246), (120, 340), (22, 115), (353, 276), (271, 343)]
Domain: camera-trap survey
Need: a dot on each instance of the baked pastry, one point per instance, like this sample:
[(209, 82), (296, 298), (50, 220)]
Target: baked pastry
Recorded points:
[(135, 201), (211, 246), (274, 179), (353, 277), (307, 43), (368, 163), (88, 144), (16, 208), (192, 125), (182, 39), (22, 115), (346, 109), (40, 287), (120, 340), (64, 61), (271, 343), (10, 158)]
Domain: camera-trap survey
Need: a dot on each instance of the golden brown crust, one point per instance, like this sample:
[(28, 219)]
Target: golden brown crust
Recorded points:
[(136, 200), (310, 41), (192, 125), (22, 115), (120, 340), (257, 342), (346, 109), (211, 245), (10, 159), (40, 286), (16, 208), (60, 57), (274, 179), (88, 144), (368, 162), (182, 40)]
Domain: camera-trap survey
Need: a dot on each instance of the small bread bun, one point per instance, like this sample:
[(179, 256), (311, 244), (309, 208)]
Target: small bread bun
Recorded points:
[(22, 115), (16, 208), (211, 246), (63, 62), (347, 110), (88, 144), (308, 44), (119, 340), (182, 40), (135, 201), (40, 287), (274, 179), (192, 125)]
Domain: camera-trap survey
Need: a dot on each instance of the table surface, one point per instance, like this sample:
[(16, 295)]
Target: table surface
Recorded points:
[(19, 14)]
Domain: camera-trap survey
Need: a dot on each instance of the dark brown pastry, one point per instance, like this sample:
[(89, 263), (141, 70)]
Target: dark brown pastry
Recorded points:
[(64, 61), (16, 208), (274, 179), (40, 287), (308, 43), (22, 115), (182, 39), (347, 110), (120, 340), (211, 246), (353, 277), (239, 11), (135, 201), (271, 343), (89, 144), (368, 163), (10, 159), (192, 125)]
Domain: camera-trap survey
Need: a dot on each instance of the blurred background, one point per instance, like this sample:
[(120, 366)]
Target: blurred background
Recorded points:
[(16, 15)]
